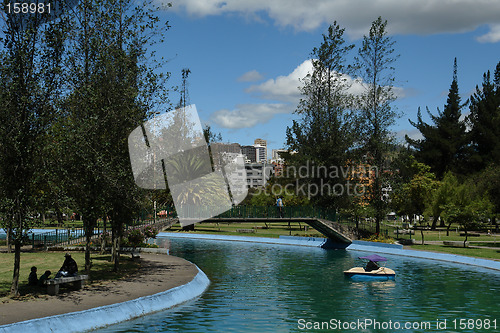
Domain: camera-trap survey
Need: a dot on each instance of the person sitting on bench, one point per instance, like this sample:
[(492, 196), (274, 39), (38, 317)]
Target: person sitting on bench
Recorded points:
[(44, 277), (371, 266), (69, 267), (32, 279)]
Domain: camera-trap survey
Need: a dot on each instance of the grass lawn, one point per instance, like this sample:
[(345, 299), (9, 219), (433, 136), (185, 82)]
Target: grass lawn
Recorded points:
[(101, 268), (480, 253), (260, 229), (274, 230)]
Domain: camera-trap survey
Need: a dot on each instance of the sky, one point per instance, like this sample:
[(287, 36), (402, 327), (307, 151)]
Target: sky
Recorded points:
[(246, 56)]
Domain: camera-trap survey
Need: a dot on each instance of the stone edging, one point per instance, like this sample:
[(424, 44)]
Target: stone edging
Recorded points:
[(112, 314)]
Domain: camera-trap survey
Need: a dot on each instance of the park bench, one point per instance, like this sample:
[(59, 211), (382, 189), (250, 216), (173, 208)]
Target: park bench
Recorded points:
[(456, 243), (245, 230), (76, 281), (470, 234)]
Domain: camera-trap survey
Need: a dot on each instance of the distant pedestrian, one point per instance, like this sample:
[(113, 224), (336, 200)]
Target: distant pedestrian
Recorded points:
[(279, 206)]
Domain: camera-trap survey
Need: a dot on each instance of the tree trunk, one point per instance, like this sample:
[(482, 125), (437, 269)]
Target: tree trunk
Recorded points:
[(14, 288), (113, 245), (422, 233), (59, 216), (434, 222), (448, 229), (116, 261), (89, 223), (465, 241), (7, 239), (103, 235)]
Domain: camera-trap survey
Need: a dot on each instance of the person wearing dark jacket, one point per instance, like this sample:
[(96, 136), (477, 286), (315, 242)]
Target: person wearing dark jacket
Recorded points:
[(69, 267), (32, 279), (43, 278), (371, 266)]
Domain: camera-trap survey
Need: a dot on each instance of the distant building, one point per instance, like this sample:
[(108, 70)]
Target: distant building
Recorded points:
[(250, 154), (217, 150), (260, 142), (261, 146), (276, 155), (260, 154), (258, 174)]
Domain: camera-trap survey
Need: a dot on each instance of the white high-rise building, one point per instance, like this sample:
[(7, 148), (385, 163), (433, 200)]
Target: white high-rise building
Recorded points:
[(260, 154), (261, 150)]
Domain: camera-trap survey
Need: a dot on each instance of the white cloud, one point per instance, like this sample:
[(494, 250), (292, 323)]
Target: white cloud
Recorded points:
[(412, 134), (251, 76), (493, 36), (405, 17), (284, 88), (248, 115)]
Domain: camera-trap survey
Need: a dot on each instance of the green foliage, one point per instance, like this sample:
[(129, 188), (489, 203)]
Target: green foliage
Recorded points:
[(134, 237), (439, 197), (325, 135), (484, 119), (374, 65), (150, 232), (444, 146), (467, 207), (412, 196)]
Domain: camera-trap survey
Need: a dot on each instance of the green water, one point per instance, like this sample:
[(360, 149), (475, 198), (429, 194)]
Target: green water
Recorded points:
[(275, 288)]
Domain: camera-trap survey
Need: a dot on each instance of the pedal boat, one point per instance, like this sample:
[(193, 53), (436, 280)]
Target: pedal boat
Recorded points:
[(380, 274)]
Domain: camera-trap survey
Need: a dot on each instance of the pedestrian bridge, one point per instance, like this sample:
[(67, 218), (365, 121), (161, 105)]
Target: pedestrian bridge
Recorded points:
[(340, 235)]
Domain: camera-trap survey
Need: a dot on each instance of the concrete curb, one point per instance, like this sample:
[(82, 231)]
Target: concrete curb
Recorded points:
[(283, 240), (112, 314)]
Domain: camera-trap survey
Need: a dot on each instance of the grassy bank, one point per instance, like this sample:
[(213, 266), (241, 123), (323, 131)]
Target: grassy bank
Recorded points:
[(471, 252), (101, 270), (256, 229), (274, 230)]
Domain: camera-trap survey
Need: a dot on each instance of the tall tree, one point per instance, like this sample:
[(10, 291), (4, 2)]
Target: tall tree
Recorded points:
[(111, 90), (484, 120), (29, 77), (374, 65), (444, 146), (325, 135)]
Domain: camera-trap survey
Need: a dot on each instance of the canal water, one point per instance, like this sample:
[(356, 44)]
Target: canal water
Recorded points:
[(276, 288)]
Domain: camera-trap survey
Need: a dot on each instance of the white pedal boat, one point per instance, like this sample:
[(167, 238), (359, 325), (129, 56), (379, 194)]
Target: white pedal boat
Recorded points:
[(376, 273)]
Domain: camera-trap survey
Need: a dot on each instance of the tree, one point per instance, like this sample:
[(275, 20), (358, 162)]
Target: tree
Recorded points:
[(484, 120), (411, 198), (111, 87), (374, 65), (444, 146), (325, 135), (29, 80), (467, 208)]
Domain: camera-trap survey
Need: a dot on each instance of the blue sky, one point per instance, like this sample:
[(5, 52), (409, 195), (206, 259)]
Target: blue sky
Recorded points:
[(246, 56)]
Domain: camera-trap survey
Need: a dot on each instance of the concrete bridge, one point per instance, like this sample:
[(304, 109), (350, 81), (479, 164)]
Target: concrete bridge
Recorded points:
[(340, 236)]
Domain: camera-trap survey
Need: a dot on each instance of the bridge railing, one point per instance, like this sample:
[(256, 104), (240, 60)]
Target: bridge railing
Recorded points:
[(241, 211)]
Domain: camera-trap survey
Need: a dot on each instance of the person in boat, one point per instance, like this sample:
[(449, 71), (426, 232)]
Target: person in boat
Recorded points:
[(371, 266)]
